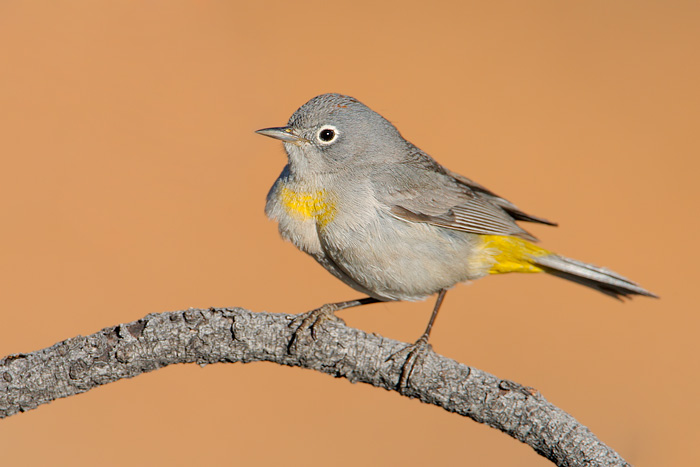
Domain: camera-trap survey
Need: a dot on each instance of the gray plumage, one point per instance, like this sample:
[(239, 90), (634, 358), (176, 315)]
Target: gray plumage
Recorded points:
[(386, 218)]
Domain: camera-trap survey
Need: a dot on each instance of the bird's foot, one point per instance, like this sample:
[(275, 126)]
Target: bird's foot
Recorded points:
[(311, 321), (412, 354)]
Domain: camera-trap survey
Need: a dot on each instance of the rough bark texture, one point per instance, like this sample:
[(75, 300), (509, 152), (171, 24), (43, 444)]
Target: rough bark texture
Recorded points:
[(236, 335)]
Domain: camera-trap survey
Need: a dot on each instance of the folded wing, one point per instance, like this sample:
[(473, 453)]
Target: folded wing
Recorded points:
[(423, 191)]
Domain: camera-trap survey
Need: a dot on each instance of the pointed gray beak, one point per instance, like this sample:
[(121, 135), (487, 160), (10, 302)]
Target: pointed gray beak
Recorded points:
[(283, 133)]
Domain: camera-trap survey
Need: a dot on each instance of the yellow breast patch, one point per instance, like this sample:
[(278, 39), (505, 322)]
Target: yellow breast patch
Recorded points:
[(510, 254), (308, 205)]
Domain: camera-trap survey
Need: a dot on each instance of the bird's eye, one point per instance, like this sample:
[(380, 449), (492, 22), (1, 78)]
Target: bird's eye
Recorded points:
[(327, 134)]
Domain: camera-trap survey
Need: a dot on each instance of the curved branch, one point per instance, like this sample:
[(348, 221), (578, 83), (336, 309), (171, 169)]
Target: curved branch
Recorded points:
[(79, 364)]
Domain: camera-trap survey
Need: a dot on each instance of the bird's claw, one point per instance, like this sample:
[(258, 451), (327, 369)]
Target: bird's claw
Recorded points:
[(310, 320), (414, 353)]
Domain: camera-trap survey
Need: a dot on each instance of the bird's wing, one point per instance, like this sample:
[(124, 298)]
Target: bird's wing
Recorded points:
[(509, 207), (439, 197)]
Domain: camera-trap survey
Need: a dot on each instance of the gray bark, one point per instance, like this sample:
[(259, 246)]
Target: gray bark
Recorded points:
[(79, 364)]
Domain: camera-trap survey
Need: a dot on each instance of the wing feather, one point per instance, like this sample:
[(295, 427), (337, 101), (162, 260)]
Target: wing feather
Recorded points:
[(421, 190)]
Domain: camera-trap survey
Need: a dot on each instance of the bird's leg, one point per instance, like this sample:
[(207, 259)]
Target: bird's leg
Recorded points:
[(416, 351), (311, 319)]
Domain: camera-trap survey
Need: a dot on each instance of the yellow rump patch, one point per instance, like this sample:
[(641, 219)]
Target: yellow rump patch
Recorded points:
[(308, 205), (510, 254)]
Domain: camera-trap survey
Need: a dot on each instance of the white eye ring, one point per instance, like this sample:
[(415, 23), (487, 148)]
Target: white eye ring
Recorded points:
[(327, 134)]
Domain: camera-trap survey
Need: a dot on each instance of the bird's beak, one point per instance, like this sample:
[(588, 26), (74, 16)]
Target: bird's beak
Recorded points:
[(283, 133)]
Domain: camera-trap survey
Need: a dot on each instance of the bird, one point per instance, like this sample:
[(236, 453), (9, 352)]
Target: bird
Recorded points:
[(388, 220)]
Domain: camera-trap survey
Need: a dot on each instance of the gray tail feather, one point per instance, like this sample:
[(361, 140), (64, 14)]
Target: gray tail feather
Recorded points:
[(601, 279)]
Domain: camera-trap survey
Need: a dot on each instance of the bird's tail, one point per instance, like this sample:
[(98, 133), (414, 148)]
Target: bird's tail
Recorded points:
[(602, 279), (510, 254)]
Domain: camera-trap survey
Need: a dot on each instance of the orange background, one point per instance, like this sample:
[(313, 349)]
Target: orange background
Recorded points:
[(132, 182)]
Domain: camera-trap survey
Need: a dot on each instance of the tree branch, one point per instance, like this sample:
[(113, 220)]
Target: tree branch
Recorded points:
[(79, 364)]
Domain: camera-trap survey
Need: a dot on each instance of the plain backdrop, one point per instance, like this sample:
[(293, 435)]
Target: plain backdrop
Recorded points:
[(132, 182)]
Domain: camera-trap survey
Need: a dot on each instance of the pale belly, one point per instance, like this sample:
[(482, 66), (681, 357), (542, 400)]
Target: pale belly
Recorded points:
[(398, 260)]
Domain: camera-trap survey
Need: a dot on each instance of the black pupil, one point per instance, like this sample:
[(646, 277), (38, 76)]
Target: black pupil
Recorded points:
[(326, 135)]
